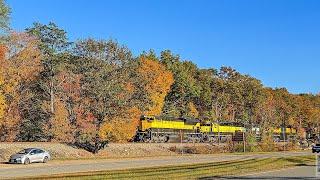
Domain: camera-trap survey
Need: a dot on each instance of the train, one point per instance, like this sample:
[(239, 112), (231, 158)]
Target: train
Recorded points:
[(165, 129)]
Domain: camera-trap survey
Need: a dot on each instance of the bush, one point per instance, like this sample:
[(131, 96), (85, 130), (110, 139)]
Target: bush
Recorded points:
[(234, 146), (251, 143), (198, 149), (267, 143), (183, 150), (250, 146)]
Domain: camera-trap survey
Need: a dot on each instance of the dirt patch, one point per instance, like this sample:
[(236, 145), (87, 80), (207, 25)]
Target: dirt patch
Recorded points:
[(113, 150), (57, 150)]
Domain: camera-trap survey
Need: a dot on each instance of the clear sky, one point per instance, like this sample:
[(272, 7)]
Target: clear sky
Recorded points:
[(276, 41)]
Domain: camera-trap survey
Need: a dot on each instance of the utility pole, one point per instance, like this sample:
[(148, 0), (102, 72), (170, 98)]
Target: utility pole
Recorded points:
[(51, 88), (181, 142), (244, 141), (284, 135), (218, 132)]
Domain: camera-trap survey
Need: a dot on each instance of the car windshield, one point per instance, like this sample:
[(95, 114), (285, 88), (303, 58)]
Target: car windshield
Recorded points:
[(25, 151)]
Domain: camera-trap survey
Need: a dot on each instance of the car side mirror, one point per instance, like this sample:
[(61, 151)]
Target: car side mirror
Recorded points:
[(32, 153)]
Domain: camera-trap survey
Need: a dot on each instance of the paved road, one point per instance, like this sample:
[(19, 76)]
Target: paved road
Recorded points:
[(74, 166)]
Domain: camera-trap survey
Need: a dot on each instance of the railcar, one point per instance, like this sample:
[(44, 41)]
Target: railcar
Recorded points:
[(163, 129), (219, 132), (279, 134), (284, 134)]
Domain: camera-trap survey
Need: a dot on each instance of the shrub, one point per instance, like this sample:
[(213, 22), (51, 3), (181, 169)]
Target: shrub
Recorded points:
[(267, 143)]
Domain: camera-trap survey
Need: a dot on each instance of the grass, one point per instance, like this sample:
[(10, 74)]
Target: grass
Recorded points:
[(194, 171)]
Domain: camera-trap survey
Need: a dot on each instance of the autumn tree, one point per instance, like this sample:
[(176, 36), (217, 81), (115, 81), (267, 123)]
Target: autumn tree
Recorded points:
[(3, 104), (156, 82), (19, 69), (252, 93), (106, 87), (265, 111), (122, 128), (283, 108), (68, 99)]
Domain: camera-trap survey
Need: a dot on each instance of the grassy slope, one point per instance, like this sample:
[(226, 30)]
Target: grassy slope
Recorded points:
[(196, 170)]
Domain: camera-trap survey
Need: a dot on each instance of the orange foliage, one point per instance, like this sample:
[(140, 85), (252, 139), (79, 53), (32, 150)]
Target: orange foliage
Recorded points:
[(158, 81), (3, 50), (19, 63), (192, 110), (85, 124), (61, 128), (24, 61), (70, 84), (121, 129), (2, 95), (2, 106)]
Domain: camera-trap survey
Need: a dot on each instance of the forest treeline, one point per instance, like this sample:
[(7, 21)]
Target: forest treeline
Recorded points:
[(93, 90)]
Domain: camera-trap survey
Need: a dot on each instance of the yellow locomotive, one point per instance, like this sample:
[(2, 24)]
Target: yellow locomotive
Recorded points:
[(284, 134), (163, 129)]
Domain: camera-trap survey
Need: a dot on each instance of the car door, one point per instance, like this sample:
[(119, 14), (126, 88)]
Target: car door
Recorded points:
[(33, 156), (39, 155)]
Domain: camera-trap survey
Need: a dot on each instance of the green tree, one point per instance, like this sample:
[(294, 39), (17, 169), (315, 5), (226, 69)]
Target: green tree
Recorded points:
[(53, 45), (4, 15), (185, 88)]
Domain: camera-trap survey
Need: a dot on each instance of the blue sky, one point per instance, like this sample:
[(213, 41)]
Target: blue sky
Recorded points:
[(276, 41)]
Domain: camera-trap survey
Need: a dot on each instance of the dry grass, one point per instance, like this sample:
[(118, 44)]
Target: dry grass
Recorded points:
[(194, 171)]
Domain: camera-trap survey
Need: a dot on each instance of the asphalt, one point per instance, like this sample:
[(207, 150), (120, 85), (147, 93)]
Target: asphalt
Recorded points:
[(11, 171)]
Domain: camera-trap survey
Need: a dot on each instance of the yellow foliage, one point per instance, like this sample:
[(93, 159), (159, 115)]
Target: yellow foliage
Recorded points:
[(192, 110), (121, 129), (61, 128), (2, 106), (19, 63), (12, 120), (158, 81), (2, 95)]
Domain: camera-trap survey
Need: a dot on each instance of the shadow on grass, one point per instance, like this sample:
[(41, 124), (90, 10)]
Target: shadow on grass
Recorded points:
[(257, 177), (265, 177)]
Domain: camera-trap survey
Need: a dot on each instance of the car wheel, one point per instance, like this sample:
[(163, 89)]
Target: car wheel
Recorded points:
[(27, 161), (45, 159)]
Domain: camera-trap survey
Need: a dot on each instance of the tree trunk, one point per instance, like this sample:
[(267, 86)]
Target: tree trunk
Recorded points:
[(51, 96)]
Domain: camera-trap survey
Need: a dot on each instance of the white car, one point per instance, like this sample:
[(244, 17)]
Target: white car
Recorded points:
[(30, 155)]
